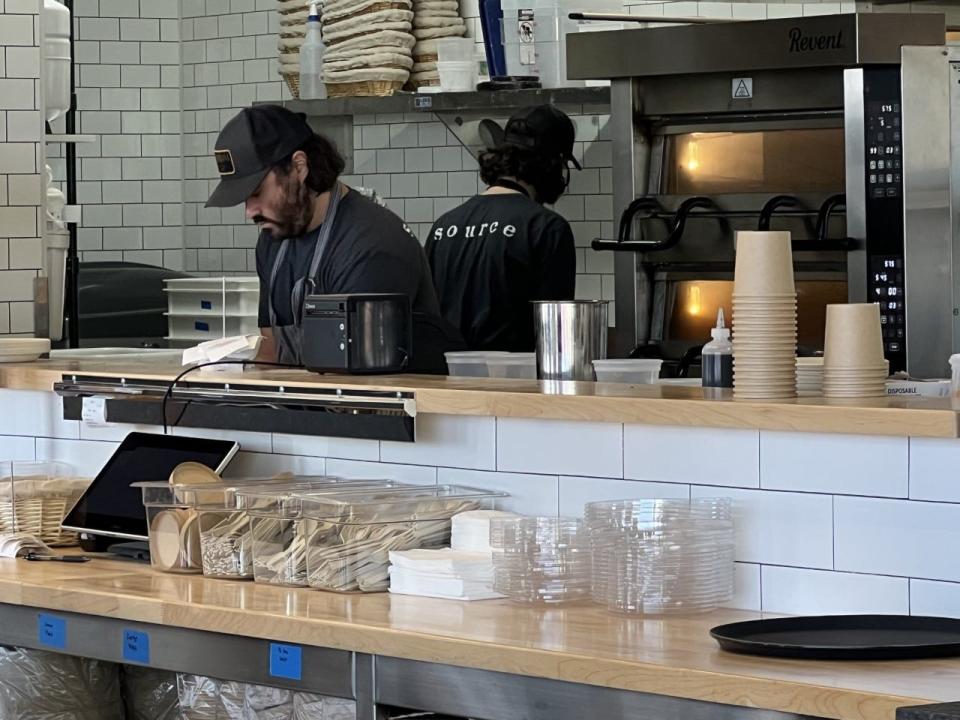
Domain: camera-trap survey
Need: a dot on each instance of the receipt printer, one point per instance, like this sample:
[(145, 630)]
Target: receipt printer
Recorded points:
[(357, 333)]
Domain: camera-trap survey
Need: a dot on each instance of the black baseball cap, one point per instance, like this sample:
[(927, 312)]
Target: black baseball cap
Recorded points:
[(251, 143), (545, 129)]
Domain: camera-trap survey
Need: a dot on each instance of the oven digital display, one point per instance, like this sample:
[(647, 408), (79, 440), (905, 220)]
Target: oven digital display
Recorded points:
[(883, 172)]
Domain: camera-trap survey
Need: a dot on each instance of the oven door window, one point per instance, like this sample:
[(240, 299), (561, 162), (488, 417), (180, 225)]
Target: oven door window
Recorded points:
[(770, 161)]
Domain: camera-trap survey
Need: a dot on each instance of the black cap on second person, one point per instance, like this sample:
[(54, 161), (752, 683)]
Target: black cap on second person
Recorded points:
[(544, 129), (251, 143)]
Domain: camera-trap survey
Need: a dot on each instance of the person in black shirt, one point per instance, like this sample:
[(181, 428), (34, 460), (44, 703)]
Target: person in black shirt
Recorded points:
[(316, 234), (493, 255)]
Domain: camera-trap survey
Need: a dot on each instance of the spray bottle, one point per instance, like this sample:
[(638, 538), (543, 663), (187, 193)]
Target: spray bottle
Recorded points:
[(718, 356), (311, 59)]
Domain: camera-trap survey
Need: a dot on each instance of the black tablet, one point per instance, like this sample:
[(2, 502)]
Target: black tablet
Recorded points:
[(110, 507)]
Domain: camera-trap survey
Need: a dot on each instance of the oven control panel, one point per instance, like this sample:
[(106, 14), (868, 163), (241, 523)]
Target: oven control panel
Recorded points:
[(884, 150), (886, 288), (883, 175)]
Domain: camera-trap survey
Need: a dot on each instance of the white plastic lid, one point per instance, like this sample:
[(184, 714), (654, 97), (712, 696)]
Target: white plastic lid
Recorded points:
[(512, 359)]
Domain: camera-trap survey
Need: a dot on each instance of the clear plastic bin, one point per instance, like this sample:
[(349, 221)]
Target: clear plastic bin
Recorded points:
[(349, 537), (639, 371), (172, 528), (35, 497), (470, 363), (242, 302), (277, 532), (513, 365), (225, 537)]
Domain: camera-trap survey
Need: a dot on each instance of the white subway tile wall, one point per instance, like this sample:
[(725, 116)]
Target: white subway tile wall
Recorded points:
[(21, 161), (831, 551), (127, 57)]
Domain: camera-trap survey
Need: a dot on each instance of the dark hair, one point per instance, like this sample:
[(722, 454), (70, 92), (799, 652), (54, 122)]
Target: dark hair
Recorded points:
[(547, 174), (323, 160)]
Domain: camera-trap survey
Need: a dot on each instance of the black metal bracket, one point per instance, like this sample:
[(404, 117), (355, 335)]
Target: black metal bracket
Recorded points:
[(940, 711), (324, 411)]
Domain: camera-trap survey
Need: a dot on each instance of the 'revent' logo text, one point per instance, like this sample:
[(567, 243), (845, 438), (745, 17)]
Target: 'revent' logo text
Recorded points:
[(801, 43)]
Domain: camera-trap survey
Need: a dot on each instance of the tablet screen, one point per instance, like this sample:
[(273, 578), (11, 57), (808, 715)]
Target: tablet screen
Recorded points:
[(111, 507)]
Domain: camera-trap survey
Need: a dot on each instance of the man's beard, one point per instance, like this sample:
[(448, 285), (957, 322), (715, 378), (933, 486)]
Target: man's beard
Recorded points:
[(295, 212)]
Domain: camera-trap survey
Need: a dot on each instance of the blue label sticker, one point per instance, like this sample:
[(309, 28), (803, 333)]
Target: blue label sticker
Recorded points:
[(201, 326), (52, 631), (286, 661), (206, 305), (136, 646)]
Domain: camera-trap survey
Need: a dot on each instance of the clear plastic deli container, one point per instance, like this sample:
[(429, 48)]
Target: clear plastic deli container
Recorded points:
[(277, 534), (639, 371), (513, 365), (350, 536), (469, 363)]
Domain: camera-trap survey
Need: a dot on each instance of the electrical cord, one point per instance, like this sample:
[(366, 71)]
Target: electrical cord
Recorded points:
[(173, 383)]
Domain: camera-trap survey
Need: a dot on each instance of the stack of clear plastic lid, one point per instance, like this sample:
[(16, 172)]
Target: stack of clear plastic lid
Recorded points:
[(661, 556), (226, 544), (278, 537), (541, 559), (349, 536)]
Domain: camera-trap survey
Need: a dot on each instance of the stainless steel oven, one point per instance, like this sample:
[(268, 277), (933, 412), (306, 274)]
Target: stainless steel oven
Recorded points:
[(833, 127)]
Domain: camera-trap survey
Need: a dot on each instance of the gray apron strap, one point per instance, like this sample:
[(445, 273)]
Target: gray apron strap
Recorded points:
[(289, 337)]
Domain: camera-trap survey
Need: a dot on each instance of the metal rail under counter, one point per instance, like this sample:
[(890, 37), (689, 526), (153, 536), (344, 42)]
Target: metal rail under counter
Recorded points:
[(490, 660)]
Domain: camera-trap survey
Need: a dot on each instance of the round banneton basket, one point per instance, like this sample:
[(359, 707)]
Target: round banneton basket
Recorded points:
[(35, 497), (365, 88)]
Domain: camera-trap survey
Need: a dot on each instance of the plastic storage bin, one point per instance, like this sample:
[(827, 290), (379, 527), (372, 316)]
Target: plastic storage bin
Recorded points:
[(277, 532), (513, 365), (458, 75), (172, 529), (225, 538), (349, 537), (469, 363), (534, 33), (35, 497), (639, 371)]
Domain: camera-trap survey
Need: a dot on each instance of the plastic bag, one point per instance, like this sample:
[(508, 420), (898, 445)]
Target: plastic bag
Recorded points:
[(203, 698), (149, 694), (38, 685)]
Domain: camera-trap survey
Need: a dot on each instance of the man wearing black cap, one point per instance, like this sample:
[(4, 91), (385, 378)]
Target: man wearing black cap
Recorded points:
[(501, 249), (316, 235)]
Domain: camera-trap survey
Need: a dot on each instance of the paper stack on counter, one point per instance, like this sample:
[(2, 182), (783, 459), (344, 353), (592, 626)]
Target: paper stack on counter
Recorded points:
[(13, 545), (442, 573), (238, 347), (471, 530)]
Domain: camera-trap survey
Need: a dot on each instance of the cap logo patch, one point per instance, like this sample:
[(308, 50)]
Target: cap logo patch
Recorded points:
[(225, 164)]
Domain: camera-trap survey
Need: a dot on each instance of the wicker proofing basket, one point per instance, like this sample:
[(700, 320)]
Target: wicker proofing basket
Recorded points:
[(364, 88), (35, 497)]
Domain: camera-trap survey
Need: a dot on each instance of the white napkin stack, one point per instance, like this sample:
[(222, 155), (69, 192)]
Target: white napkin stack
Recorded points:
[(442, 573), (13, 545), (471, 529), (461, 572), (238, 347)]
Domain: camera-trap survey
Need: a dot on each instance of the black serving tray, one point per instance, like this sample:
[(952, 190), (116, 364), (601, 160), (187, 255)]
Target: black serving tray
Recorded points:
[(843, 637)]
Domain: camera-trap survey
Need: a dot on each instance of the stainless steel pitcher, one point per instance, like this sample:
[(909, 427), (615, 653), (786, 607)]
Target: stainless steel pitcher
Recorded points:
[(570, 336)]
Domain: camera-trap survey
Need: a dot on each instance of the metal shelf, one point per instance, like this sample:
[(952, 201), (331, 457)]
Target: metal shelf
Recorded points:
[(477, 101)]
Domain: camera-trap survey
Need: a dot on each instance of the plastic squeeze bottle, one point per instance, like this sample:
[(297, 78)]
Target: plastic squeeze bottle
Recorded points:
[(718, 356), (311, 60)]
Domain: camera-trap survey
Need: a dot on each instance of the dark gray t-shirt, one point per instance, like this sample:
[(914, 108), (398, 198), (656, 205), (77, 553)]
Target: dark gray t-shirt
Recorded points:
[(370, 251)]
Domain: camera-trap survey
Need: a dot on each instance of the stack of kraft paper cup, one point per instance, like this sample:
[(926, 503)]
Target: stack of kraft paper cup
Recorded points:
[(764, 318), (853, 362)]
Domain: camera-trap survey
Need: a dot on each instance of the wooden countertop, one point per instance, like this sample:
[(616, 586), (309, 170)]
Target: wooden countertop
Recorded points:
[(673, 656), (602, 402)]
